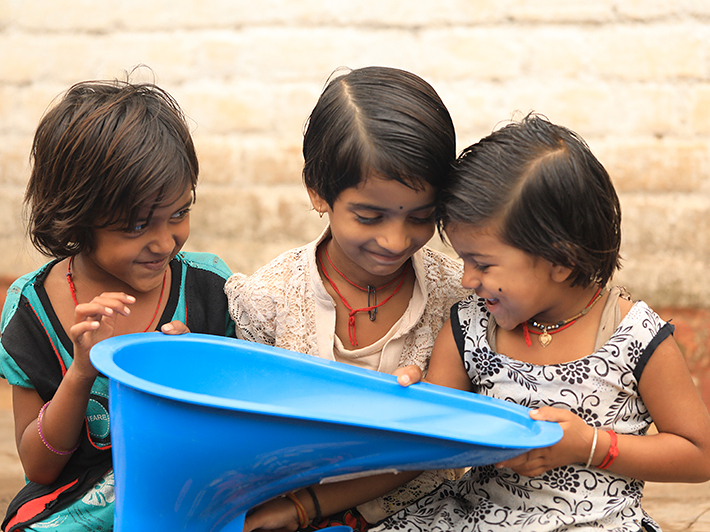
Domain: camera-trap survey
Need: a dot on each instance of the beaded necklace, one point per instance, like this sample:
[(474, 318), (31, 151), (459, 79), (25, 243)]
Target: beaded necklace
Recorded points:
[(72, 289), (372, 304), (546, 331)]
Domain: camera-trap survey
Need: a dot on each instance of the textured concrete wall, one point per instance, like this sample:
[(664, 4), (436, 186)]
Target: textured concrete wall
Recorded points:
[(631, 76)]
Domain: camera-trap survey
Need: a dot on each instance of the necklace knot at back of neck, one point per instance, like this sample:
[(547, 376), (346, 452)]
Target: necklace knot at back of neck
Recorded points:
[(545, 332), (372, 304)]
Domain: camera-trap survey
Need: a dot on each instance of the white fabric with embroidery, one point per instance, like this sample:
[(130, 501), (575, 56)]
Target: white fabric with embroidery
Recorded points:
[(602, 388), (285, 304)]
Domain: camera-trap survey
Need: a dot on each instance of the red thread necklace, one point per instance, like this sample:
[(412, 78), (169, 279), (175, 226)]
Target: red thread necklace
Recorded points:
[(72, 289), (546, 331), (372, 304)]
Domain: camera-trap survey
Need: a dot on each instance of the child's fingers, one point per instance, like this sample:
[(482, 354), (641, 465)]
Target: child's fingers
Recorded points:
[(96, 312), (514, 462), (114, 299), (119, 296), (78, 329), (118, 301), (408, 375), (102, 306), (529, 464), (572, 448), (549, 413), (78, 333), (175, 327)]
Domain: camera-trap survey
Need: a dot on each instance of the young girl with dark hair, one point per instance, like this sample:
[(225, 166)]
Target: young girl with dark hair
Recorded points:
[(536, 220), (378, 146), (113, 180)]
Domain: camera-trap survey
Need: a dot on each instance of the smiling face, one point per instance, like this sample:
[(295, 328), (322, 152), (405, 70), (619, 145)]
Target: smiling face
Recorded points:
[(516, 286), (377, 226), (136, 260)]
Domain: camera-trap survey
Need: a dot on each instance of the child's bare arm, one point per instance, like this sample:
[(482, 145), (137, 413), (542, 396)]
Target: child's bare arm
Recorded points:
[(280, 514), (445, 365), (63, 418), (61, 425), (680, 452)]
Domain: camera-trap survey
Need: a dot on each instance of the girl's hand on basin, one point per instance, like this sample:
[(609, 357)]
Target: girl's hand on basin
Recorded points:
[(174, 327), (408, 375)]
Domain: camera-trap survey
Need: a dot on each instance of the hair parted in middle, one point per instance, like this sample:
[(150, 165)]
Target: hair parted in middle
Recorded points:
[(546, 193), (102, 152), (377, 121)]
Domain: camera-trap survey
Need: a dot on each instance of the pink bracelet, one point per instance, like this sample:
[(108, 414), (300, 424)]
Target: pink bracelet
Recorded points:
[(39, 429)]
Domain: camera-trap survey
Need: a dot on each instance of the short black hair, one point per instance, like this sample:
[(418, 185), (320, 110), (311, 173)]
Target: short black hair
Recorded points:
[(98, 155), (377, 121), (547, 192)]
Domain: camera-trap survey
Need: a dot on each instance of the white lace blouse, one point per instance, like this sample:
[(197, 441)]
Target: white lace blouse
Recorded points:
[(285, 304)]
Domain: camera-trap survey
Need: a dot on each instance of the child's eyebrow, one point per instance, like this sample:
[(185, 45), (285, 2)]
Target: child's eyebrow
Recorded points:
[(380, 208), (425, 207), (473, 254), (185, 206), (150, 213)]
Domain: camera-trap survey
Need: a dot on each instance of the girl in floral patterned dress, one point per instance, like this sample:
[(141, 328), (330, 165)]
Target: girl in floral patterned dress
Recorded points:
[(536, 220)]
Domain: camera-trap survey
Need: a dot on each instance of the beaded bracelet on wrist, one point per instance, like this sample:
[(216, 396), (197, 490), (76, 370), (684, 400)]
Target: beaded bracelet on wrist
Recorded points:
[(46, 444)]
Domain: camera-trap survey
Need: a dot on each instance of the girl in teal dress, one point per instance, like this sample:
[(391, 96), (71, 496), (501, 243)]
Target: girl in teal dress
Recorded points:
[(113, 180)]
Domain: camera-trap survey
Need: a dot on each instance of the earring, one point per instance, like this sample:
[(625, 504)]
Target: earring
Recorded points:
[(320, 214)]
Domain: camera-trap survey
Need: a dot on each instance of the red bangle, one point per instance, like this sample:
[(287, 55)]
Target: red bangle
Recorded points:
[(613, 451), (303, 520)]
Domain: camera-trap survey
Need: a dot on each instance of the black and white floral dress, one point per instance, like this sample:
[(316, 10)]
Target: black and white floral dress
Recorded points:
[(602, 388)]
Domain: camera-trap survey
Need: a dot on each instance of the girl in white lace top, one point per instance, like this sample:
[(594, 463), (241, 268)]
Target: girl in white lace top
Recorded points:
[(378, 145)]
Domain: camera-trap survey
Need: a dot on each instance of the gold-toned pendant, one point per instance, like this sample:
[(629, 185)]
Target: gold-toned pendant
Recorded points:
[(545, 338)]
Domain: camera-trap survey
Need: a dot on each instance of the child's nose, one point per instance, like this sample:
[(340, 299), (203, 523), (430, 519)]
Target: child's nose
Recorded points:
[(470, 279), (395, 239), (163, 241)]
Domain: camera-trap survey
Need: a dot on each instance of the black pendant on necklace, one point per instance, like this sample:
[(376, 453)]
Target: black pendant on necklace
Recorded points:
[(372, 301)]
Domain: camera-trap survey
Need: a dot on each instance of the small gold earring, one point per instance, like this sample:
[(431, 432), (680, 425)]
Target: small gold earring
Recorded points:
[(320, 214)]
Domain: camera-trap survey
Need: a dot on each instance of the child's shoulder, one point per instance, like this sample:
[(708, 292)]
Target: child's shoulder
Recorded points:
[(442, 270), (628, 308), (442, 276), (24, 285), (286, 261), (637, 310), (623, 299), (204, 261), (440, 263), (285, 273)]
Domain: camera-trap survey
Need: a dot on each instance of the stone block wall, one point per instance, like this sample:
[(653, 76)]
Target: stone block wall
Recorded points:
[(631, 76)]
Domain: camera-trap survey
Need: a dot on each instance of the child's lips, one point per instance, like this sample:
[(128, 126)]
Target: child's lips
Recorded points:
[(387, 258), (491, 303), (155, 265)]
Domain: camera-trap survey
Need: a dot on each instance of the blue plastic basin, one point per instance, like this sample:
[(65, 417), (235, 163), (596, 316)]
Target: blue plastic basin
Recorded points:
[(203, 428)]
